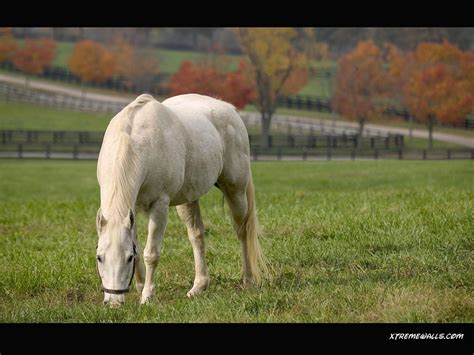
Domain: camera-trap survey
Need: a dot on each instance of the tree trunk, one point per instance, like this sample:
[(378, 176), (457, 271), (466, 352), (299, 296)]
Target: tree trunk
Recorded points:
[(359, 133), (430, 135), (265, 133), (361, 127), (83, 91), (410, 120)]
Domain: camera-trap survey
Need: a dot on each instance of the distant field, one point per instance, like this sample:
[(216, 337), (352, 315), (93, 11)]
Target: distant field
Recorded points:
[(15, 115), (378, 241), (169, 60)]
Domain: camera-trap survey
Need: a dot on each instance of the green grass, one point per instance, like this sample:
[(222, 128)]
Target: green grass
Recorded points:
[(15, 115), (322, 87), (421, 143), (378, 241)]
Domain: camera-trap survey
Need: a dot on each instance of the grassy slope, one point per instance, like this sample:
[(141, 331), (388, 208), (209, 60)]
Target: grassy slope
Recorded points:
[(382, 241), (29, 116)]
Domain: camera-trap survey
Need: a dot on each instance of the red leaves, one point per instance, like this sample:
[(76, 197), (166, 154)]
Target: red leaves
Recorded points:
[(441, 86), (210, 79), (35, 55), (361, 79), (7, 44)]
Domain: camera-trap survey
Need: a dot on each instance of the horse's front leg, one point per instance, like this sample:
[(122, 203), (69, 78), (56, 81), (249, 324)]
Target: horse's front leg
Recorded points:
[(156, 229)]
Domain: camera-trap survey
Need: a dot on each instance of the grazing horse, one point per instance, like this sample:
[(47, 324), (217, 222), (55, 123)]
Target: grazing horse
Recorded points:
[(156, 155)]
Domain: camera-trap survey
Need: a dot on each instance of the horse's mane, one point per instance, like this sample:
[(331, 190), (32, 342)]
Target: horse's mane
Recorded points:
[(125, 168)]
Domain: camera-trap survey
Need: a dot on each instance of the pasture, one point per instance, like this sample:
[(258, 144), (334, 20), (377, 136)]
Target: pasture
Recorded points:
[(364, 241)]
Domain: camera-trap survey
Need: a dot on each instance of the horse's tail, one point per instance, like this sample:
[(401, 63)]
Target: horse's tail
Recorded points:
[(257, 261)]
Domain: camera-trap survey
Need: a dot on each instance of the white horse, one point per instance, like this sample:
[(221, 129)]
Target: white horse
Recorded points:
[(155, 155)]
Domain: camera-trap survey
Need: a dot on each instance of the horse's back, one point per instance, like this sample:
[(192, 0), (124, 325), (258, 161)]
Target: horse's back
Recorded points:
[(217, 126), (203, 110)]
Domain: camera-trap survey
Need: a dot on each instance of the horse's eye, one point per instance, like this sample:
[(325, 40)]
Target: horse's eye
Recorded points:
[(99, 259), (130, 258)]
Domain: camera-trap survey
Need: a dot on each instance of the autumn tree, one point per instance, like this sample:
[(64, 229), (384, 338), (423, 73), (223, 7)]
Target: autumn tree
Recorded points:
[(441, 86), (275, 57), (211, 78), (34, 56), (92, 62), (137, 68), (361, 80), (7, 44)]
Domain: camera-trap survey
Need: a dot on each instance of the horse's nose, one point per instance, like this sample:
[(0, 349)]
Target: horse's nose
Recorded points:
[(114, 303)]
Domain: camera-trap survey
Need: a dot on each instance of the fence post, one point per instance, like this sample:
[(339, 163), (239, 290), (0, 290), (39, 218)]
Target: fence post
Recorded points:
[(75, 152), (329, 153), (48, 151), (279, 154), (304, 155), (400, 154), (376, 154), (372, 142), (424, 154), (353, 154), (255, 154), (472, 153), (20, 151), (291, 141)]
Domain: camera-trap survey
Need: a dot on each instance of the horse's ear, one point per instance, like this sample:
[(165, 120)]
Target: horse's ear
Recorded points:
[(129, 220), (100, 220)]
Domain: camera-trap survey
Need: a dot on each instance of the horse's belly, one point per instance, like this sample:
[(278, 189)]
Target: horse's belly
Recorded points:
[(204, 165)]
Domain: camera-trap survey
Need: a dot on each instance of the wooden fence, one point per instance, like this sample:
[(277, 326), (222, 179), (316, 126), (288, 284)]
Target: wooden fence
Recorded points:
[(86, 145)]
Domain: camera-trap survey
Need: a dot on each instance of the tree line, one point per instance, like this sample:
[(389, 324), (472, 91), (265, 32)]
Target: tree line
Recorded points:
[(435, 81)]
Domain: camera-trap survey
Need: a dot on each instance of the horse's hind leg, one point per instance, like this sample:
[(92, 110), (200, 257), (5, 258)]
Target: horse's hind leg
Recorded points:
[(237, 200), (190, 214)]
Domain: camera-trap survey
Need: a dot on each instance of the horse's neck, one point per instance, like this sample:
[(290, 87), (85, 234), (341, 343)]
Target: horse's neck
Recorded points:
[(120, 177)]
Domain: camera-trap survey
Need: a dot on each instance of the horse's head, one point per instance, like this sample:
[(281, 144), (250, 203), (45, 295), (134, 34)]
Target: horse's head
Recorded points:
[(116, 251)]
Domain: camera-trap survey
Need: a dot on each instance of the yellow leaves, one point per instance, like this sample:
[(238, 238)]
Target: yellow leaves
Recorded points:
[(273, 59)]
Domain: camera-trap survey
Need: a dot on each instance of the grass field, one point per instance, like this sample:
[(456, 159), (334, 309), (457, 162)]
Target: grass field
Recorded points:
[(19, 115), (378, 241)]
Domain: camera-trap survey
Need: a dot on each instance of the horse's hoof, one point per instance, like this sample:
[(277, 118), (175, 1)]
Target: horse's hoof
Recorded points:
[(198, 288), (147, 296), (146, 300), (248, 283)]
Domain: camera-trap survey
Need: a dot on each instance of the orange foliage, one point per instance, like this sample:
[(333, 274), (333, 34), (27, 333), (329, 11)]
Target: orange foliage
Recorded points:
[(441, 87), (210, 79), (297, 79), (135, 68), (35, 55), (7, 44), (92, 62), (361, 80)]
